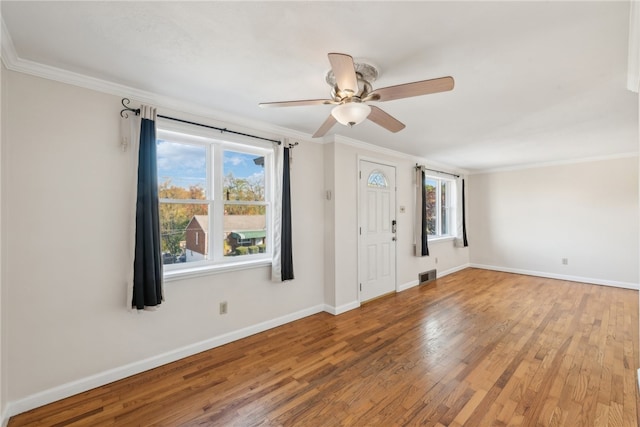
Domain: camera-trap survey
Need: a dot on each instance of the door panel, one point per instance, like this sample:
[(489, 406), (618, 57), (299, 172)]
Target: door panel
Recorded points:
[(385, 260), (386, 212), (372, 261), (377, 253), (372, 212)]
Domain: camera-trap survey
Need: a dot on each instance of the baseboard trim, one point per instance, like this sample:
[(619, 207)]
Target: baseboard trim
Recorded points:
[(341, 309), (72, 388), (408, 285), (612, 283), (5, 418), (453, 270), (97, 380), (415, 283), (355, 304)]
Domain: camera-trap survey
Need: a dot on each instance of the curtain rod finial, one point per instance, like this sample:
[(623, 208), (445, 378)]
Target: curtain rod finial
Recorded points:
[(125, 103)]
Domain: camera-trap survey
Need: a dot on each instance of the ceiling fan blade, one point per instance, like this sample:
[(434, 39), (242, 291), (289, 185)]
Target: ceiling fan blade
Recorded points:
[(328, 124), (300, 103), (344, 71), (408, 90), (385, 120)]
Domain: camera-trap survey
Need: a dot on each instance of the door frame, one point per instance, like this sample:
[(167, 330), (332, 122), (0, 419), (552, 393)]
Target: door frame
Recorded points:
[(358, 225)]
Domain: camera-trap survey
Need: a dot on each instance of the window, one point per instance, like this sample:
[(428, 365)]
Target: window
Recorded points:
[(215, 200), (377, 179), (440, 198)]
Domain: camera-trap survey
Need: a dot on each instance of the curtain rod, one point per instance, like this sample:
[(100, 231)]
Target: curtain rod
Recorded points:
[(433, 170), (136, 111)]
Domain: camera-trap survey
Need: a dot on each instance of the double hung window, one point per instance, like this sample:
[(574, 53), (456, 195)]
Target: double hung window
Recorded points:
[(215, 200), (439, 200)]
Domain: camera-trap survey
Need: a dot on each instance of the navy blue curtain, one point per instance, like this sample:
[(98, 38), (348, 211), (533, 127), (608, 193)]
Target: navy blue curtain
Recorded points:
[(147, 270), (464, 223), (286, 246), (424, 233)]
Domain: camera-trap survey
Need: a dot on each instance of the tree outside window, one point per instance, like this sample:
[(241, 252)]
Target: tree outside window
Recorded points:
[(438, 206), (198, 225)]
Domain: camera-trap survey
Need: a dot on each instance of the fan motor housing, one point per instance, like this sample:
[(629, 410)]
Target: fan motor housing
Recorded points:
[(366, 74)]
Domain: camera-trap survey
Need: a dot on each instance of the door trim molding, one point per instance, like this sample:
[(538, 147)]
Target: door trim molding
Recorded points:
[(360, 158)]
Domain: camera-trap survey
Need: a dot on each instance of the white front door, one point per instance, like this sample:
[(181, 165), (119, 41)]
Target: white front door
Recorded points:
[(377, 246)]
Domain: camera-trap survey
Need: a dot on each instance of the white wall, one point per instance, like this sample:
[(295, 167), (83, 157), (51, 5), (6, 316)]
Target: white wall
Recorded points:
[(3, 347), (345, 196), (528, 220), (443, 256), (66, 214), (329, 228)]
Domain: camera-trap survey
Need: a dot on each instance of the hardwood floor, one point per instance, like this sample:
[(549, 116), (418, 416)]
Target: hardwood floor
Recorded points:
[(475, 348)]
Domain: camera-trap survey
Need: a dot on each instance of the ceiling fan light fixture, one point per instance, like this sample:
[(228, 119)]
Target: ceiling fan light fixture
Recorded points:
[(351, 88), (351, 113)]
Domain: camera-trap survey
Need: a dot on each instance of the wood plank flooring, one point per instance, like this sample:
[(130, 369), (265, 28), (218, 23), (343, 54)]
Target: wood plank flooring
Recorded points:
[(475, 348)]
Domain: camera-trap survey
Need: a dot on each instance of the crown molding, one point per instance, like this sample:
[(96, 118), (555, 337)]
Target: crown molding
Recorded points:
[(399, 154), (556, 163), (14, 63), (7, 50)]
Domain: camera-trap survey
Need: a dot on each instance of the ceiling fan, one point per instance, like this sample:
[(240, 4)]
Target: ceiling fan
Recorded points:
[(351, 91)]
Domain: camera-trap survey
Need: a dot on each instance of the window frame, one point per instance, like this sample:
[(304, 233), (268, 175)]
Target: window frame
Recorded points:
[(450, 202), (214, 163)]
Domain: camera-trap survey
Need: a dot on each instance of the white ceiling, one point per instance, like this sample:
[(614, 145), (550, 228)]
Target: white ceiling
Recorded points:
[(536, 82)]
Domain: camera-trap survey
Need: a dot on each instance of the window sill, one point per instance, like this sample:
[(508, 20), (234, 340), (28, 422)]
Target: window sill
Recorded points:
[(440, 239), (207, 270)]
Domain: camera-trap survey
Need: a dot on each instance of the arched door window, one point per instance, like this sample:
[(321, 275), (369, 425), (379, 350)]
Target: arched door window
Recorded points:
[(377, 179)]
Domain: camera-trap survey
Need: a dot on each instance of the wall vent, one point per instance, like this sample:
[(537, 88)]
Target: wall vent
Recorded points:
[(426, 277)]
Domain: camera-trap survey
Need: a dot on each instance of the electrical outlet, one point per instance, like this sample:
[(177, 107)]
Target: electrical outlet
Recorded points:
[(223, 307), (436, 260), (565, 261)]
